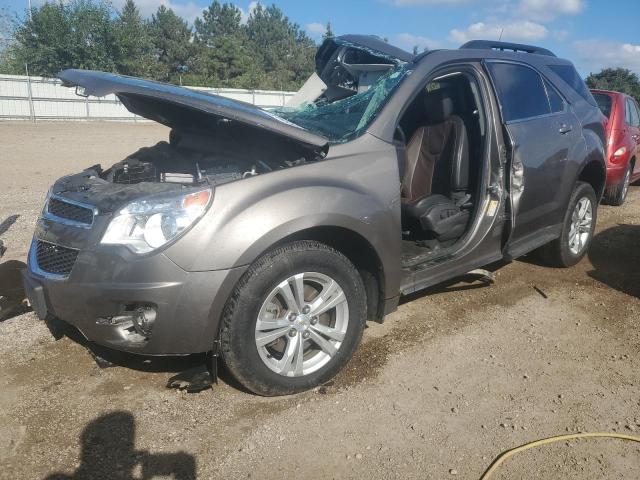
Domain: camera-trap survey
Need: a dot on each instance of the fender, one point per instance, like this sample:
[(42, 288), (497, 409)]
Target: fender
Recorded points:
[(248, 217)]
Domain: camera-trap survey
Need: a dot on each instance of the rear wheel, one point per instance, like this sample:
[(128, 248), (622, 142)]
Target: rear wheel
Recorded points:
[(617, 195), (577, 229), (294, 320)]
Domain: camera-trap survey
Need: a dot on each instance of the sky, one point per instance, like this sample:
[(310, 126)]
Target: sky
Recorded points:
[(592, 33)]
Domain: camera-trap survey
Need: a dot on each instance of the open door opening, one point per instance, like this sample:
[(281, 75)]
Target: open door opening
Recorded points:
[(443, 132)]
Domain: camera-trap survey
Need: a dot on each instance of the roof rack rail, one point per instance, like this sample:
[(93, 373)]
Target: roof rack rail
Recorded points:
[(502, 46)]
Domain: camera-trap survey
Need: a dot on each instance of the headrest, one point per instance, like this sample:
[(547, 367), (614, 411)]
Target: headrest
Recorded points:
[(438, 105)]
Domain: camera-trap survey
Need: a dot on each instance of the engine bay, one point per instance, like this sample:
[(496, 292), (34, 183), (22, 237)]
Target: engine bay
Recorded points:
[(192, 158)]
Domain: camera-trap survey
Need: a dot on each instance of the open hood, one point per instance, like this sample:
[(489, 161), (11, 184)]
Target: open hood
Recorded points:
[(181, 108), (347, 65)]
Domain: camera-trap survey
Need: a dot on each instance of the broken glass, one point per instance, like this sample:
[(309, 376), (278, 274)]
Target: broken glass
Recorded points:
[(344, 119)]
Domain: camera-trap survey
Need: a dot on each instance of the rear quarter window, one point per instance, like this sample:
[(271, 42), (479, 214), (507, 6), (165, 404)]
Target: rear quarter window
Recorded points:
[(631, 114), (570, 76)]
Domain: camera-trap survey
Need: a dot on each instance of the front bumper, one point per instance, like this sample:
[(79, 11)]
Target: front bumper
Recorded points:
[(103, 283)]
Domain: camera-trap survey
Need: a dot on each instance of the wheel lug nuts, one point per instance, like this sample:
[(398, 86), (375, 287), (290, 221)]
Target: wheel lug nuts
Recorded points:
[(305, 335), (306, 309), (293, 332), (292, 316), (314, 320)]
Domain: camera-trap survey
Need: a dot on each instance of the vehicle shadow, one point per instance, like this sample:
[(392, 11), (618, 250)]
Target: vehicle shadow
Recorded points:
[(12, 296), (615, 256), (457, 284), (108, 452)]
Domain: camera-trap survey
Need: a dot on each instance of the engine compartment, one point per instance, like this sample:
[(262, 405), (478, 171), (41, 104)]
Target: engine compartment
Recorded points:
[(192, 158)]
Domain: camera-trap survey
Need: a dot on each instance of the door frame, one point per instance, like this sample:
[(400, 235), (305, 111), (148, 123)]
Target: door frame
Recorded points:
[(482, 243)]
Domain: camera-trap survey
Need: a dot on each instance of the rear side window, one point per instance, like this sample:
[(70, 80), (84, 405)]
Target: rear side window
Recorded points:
[(604, 103), (570, 76), (520, 91), (631, 114)]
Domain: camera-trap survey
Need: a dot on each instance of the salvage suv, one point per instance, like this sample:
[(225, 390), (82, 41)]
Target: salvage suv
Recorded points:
[(270, 237)]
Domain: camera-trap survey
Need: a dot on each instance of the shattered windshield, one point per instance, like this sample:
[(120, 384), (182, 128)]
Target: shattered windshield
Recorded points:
[(341, 120)]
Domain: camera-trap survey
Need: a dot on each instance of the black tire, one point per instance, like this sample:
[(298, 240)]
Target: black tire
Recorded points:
[(617, 194), (239, 349), (557, 253)]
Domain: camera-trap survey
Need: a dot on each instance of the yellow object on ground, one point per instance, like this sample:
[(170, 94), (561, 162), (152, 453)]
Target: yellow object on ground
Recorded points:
[(545, 441)]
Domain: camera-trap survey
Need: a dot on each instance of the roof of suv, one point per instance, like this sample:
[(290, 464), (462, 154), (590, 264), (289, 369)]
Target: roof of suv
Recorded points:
[(534, 58)]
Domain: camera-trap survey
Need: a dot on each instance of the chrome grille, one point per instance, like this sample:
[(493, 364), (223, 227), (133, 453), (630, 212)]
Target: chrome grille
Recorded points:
[(55, 259), (70, 211)]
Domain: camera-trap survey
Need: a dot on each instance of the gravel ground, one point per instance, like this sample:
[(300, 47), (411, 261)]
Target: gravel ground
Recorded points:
[(453, 378)]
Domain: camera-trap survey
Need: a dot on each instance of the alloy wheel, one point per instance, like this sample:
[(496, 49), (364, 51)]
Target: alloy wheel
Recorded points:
[(581, 222), (626, 182), (302, 324)]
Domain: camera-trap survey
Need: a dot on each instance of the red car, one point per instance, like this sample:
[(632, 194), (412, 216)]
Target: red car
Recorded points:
[(623, 138)]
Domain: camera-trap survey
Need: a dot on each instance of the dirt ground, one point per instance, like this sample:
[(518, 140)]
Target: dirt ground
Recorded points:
[(453, 378)]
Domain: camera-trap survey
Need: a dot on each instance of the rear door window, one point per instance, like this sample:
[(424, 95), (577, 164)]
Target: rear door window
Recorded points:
[(520, 91), (556, 103)]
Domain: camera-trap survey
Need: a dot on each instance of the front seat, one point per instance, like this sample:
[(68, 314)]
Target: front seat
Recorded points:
[(436, 180)]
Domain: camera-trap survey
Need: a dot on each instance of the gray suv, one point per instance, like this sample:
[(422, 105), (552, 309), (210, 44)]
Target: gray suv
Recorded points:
[(269, 237)]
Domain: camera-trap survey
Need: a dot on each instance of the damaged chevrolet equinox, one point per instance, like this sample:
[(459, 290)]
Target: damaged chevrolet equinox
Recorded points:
[(270, 236)]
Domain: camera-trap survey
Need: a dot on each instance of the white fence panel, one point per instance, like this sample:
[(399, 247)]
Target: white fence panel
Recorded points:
[(37, 98), (14, 108)]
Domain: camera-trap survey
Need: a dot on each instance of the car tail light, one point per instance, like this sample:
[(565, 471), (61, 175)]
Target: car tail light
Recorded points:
[(618, 155)]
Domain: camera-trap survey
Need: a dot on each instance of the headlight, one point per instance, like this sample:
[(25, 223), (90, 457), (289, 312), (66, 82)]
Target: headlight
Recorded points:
[(149, 223)]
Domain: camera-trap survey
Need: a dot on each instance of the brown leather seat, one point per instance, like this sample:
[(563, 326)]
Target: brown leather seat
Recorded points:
[(436, 176)]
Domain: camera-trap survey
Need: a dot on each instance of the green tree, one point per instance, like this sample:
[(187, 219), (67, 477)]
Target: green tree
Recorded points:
[(135, 54), (171, 39), (269, 52), (220, 40), (328, 33), (218, 20), (617, 79), (7, 27), (283, 49), (7, 24), (78, 34)]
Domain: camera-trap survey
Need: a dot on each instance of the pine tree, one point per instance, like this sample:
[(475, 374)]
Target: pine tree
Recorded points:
[(218, 20), (328, 33), (171, 39), (284, 50), (135, 49), (220, 41)]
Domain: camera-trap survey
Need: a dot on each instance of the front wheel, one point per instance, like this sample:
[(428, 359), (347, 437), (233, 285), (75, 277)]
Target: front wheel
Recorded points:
[(294, 320), (577, 229)]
